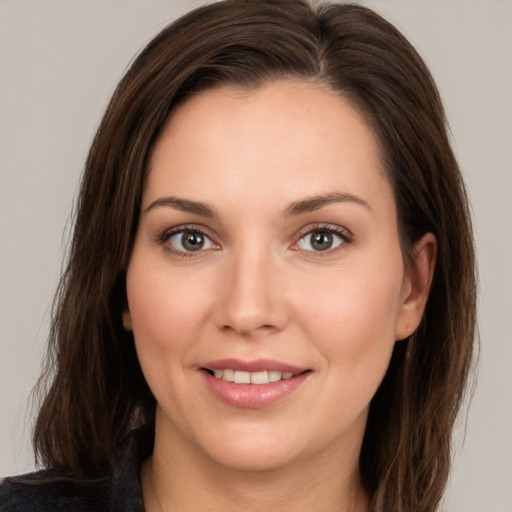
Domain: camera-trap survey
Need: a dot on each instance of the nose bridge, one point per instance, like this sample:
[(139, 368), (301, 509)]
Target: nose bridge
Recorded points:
[(251, 300)]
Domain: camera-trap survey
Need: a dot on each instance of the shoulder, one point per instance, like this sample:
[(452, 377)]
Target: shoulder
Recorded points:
[(49, 490)]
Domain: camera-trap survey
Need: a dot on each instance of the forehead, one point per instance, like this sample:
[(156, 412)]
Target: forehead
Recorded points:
[(300, 135)]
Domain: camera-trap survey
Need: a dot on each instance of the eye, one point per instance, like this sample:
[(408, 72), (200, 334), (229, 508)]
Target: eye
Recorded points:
[(321, 240), (188, 240)]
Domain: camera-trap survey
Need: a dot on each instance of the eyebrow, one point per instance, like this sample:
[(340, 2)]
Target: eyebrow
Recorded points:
[(296, 208), (314, 203), (185, 205)]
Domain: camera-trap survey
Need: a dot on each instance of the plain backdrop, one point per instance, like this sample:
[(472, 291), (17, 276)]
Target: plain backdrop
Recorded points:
[(59, 63)]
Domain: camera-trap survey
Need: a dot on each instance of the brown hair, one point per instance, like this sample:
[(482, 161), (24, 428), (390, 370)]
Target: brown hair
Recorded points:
[(97, 393)]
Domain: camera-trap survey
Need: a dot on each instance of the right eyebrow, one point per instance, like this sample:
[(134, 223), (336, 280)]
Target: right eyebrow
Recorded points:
[(185, 205)]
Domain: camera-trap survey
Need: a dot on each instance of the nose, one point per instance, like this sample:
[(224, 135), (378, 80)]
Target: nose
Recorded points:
[(251, 299)]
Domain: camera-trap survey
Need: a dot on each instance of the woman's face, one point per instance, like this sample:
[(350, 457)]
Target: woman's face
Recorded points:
[(267, 249)]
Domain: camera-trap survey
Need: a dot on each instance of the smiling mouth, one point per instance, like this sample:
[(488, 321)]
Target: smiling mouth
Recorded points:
[(253, 384), (243, 377)]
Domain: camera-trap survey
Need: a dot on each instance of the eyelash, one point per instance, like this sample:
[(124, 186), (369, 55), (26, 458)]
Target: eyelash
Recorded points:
[(167, 235), (343, 234)]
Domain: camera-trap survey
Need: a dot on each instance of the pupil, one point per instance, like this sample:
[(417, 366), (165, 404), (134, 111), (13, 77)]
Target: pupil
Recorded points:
[(322, 241), (192, 241)]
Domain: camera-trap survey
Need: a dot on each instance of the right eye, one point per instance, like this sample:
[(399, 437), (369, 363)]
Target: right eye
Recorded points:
[(188, 241)]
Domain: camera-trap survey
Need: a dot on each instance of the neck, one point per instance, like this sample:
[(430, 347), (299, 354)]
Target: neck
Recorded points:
[(174, 479)]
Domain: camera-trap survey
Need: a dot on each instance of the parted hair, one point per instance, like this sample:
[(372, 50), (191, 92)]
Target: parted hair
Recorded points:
[(92, 390)]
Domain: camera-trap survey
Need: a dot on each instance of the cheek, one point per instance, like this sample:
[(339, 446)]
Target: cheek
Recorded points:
[(352, 317), (165, 307)]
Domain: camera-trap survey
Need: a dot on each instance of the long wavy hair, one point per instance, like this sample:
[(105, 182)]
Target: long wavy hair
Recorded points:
[(92, 390)]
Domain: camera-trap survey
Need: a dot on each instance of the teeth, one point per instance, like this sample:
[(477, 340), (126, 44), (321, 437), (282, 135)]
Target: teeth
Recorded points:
[(228, 375), (240, 377), (259, 378), (274, 376)]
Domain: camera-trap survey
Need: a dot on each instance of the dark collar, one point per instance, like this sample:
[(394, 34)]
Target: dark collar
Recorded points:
[(50, 490), (126, 490)]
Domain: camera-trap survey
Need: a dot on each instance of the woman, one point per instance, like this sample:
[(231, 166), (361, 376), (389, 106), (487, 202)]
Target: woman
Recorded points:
[(270, 296)]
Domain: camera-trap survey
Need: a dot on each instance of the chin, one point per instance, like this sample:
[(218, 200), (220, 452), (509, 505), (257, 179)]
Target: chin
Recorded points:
[(250, 461), (256, 453)]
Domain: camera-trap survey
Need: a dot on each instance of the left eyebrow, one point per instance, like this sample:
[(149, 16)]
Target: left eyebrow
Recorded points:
[(314, 203)]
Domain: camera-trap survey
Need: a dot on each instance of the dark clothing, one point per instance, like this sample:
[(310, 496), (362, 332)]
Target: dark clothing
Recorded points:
[(51, 491)]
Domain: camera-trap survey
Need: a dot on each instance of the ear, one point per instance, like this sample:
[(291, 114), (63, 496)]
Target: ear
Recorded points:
[(416, 286), (127, 319)]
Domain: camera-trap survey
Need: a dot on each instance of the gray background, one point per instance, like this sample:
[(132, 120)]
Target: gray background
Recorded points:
[(59, 63)]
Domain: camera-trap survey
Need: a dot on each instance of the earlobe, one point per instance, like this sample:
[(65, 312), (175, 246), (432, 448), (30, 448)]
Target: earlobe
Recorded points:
[(127, 320), (417, 286)]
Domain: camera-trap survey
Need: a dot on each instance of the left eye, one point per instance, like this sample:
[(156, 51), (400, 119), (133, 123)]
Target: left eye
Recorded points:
[(320, 240), (189, 240)]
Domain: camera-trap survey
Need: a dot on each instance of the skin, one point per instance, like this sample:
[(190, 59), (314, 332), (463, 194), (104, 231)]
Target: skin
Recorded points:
[(259, 289)]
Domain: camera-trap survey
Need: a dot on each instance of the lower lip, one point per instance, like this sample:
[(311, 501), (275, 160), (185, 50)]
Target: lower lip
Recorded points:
[(253, 396)]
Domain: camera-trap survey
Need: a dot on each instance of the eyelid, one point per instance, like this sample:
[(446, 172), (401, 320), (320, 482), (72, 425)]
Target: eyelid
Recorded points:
[(342, 232), (164, 237), (345, 234)]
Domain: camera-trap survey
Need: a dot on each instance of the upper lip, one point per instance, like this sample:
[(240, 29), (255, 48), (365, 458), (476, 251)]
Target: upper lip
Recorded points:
[(257, 365)]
